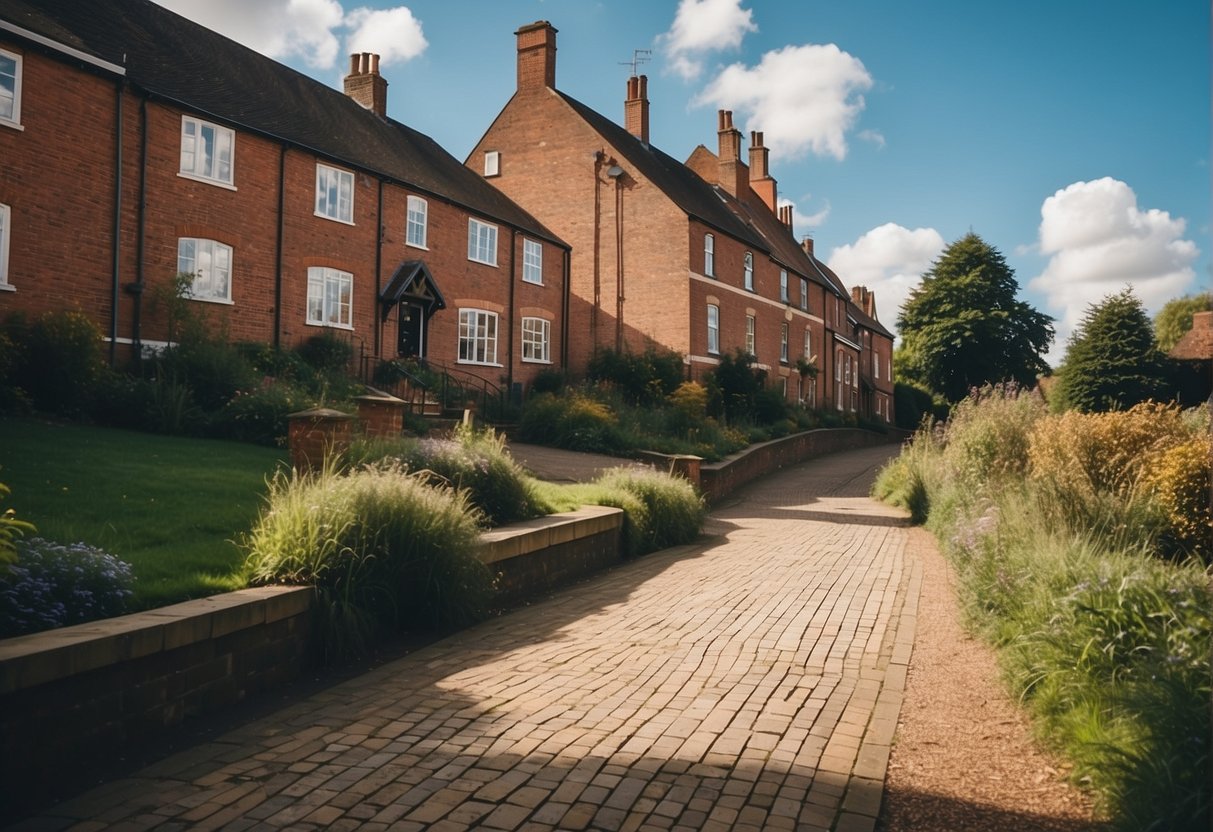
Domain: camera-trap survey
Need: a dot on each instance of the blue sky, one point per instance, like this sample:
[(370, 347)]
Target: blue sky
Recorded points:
[(1072, 135)]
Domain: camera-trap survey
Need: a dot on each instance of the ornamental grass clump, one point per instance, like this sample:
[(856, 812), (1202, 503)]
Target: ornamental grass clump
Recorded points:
[(662, 510), (55, 585), (473, 461), (385, 550)]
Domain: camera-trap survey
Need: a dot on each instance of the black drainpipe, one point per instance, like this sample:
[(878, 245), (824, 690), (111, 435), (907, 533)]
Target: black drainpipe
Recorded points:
[(136, 288), (117, 265), (278, 249), (564, 319), (509, 339), (379, 274)]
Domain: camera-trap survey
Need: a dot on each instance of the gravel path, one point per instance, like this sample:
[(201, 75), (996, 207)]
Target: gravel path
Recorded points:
[(964, 759)]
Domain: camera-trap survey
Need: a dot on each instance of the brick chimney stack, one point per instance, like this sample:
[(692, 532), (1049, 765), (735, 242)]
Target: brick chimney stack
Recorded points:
[(865, 300), (536, 56), (785, 216), (807, 245), (760, 176), (733, 175), (636, 107), (365, 85)]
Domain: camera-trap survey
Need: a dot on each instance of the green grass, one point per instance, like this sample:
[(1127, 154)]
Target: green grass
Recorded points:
[(169, 506)]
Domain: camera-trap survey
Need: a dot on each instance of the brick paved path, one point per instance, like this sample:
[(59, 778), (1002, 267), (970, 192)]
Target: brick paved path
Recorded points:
[(751, 681)]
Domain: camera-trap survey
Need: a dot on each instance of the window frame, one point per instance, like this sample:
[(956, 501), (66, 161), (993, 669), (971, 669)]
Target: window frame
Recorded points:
[(469, 334), (417, 207), (492, 163), (709, 255), (6, 233), (544, 341), (751, 335), (804, 295), (748, 270), (220, 133), (875, 365), (18, 60), (532, 265), (713, 329), (323, 171), (808, 343), (783, 342), (216, 247), (783, 286), (474, 241), (327, 275)]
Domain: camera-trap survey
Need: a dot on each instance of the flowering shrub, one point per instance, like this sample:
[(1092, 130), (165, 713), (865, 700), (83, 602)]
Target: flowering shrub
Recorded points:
[(260, 415), (53, 585), (1179, 483)]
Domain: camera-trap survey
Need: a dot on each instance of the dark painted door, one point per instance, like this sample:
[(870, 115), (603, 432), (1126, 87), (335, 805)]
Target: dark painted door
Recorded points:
[(411, 343)]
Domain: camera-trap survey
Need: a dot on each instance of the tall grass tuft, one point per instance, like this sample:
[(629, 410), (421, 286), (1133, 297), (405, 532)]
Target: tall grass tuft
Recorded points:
[(1056, 524), (669, 511), (385, 551)]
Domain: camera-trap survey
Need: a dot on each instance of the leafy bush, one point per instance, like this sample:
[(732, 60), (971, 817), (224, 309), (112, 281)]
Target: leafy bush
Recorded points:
[(54, 585), (1179, 482), (662, 510), (384, 550), (989, 433), (60, 361), (575, 421), (733, 386), (326, 353), (260, 415), (212, 369), (548, 381), (11, 531), (644, 377), (475, 462), (911, 403)]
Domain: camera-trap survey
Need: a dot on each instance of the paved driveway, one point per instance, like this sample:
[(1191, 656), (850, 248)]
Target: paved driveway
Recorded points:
[(751, 681)]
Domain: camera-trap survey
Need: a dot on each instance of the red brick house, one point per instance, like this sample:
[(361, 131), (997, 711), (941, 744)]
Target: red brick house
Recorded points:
[(136, 145), (696, 257)]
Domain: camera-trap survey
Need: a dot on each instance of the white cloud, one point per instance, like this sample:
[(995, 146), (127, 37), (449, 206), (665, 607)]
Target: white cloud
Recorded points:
[(889, 260), (393, 34), (802, 221), (803, 98), (308, 29), (873, 136), (704, 26), (1098, 241)]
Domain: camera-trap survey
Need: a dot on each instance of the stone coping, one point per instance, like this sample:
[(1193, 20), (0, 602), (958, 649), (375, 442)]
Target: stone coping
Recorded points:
[(38, 658), (519, 539)]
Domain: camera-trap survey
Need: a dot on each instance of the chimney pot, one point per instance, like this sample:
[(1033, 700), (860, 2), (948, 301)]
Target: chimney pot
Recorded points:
[(807, 245), (636, 108), (365, 85)]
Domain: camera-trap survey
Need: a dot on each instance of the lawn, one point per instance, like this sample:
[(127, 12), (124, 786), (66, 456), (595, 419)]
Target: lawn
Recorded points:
[(172, 507)]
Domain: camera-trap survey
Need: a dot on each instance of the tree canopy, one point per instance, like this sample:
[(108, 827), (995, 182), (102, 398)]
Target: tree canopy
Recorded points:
[(1175, 319), (962, 327), (1111, 362)]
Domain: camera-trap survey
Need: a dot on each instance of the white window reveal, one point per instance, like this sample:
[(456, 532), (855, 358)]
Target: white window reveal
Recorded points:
[(207, 151), (750, 335), (532, 261), (783, 343), (709, 255), (492, 162), (536, 340), (10, 88), (334, 194), (482, 242), (749, 271), (210, 264), (330, 297), (417, 222), (5, 233), (713, 329), (875, 365), (477, 336), (808, 344)]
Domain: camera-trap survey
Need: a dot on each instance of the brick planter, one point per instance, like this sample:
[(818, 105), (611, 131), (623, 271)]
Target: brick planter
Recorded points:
[(381, 415), (316, 435)]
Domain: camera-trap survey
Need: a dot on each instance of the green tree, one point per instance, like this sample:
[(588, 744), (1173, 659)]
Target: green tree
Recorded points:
[(962, 326), (1175, 319), (1111, 361)]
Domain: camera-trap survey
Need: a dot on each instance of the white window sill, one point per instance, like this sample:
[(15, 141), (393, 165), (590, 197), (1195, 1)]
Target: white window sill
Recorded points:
[(332, 219), (220, 301), (218, 183), (416, 246), (482, 262), (7, 287), (12, 125), (477, 363), (532, 282), (348, 327), (536, 361)]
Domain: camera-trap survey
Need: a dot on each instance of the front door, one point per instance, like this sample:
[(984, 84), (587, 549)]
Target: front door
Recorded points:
[(411, 343)]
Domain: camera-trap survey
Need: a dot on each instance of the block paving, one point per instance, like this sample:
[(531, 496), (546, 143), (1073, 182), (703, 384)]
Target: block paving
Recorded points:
[(750, 681)]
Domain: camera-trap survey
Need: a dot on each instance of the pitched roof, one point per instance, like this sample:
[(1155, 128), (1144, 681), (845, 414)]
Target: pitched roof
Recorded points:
[(1197, 342), (179, 61)]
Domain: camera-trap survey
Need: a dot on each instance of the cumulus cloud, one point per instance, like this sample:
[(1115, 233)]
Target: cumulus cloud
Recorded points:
[(803, 98), (873, 136), (701, 27), (393, 34), (310, 30), (890, 260), (1098, 241), (802, 221)]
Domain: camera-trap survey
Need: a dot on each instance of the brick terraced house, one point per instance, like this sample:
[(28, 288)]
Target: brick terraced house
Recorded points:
[(136, 145), (696, 257)]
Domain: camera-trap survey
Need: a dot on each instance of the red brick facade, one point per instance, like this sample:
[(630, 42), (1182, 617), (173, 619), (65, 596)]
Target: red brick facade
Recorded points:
[(639, 275), (60, 188)]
